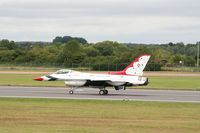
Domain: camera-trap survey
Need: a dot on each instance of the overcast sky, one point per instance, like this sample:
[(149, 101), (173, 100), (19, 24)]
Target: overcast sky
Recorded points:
[(140, 21)]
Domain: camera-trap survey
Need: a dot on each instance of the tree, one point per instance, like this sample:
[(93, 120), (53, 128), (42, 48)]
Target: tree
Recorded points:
[(175, 59), (91, 51), (8, 44), (105, 48), (71, 53), (7, 56), (189, 61), (66, 39)]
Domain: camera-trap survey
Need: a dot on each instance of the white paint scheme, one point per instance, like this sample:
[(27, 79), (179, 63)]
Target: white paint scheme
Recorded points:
[(77, 83), (115, 83), (138, 66), (70, 75), (130, 76), (45, 78), (81, 76)]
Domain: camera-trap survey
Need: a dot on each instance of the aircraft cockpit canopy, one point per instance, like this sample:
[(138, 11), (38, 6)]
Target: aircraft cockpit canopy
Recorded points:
[(63, 71)]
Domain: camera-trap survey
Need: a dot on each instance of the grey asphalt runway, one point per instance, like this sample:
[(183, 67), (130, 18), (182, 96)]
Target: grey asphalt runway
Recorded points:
[(89, 93)]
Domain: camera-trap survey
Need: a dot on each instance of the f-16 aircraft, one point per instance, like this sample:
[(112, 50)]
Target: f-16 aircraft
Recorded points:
[(130, 76)]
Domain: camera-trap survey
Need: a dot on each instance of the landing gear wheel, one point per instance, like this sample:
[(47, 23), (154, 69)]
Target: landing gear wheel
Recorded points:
[(105, 92), (71, 92), (101, 92)]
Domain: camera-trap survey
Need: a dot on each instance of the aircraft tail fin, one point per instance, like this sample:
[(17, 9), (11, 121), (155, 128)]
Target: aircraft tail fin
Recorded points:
[(136, 67)]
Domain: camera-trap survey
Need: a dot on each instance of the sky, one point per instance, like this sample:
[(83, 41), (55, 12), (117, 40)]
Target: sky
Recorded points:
[(136, 21)]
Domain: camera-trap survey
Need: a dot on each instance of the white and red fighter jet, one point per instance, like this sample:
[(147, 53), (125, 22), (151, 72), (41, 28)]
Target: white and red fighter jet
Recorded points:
[(130, 76)]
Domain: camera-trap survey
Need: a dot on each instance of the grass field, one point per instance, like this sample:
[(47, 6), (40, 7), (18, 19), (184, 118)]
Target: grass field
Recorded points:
[(179, 83), (26, 80), (92, 116), (156, 82)]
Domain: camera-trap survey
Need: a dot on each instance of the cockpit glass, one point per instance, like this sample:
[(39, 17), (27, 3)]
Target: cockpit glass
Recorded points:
[(62, 72)]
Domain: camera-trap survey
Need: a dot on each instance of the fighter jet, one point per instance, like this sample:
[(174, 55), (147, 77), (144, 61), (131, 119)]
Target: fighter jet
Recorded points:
[(119, 80)]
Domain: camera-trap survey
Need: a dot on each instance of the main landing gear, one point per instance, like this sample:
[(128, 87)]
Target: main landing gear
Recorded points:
[(103, 92)]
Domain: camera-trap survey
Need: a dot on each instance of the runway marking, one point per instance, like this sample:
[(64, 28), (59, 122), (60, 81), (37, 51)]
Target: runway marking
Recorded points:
[(114, 99)]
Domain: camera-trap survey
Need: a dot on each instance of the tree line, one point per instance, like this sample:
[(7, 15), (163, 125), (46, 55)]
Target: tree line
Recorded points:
[(75, 52)]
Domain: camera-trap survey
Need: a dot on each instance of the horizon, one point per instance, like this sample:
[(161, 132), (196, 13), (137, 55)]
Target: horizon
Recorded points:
[(185, 43)]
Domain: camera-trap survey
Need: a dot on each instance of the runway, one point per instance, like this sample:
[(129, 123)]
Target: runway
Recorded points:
[(89, 93)]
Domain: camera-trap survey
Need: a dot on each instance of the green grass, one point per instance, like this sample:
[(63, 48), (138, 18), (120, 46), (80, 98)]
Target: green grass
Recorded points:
[(181, 69), (4, 67), (178, 83), (51, 116), (28, 68), (25, 80), (92, 116)]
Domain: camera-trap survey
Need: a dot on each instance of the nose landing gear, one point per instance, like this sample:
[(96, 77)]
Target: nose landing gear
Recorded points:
[(103, 92), (71, 92)]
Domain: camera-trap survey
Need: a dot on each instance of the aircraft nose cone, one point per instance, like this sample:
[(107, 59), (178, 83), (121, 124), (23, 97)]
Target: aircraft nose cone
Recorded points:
[(38, 79)]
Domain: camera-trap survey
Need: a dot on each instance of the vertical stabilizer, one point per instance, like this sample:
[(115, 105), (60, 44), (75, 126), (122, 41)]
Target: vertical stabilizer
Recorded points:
[(137, 66)]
